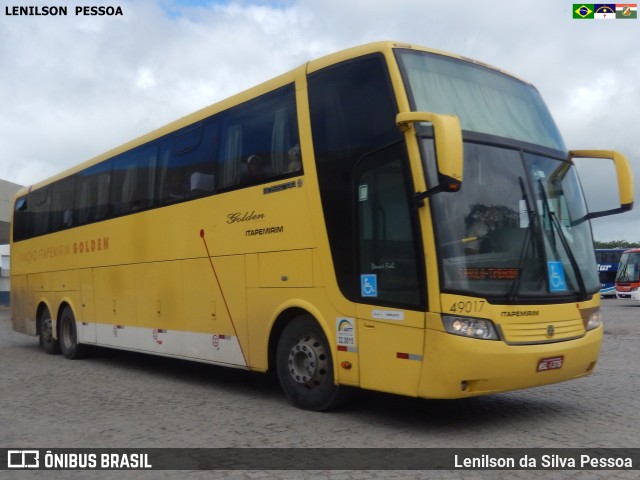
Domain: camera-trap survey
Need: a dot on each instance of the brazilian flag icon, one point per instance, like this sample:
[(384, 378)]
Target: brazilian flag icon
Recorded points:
[(583, 10)]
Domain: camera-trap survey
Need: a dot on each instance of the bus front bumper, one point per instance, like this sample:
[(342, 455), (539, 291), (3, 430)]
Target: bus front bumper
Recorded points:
[(459, 367), (632, 294)]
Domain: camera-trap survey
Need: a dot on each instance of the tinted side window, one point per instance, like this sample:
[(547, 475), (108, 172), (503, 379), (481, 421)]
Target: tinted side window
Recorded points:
[(132, 180), (260, 138), (21, 219), (187, 163), (61, 206), (251, 143), (39, 207), (352, 115), (92, 193)]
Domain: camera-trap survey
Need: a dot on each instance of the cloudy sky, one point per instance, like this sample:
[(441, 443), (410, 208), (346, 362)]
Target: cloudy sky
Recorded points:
[(73, 86)]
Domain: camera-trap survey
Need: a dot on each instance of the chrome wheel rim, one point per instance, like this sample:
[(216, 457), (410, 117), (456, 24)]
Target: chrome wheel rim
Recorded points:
[(307, 362)]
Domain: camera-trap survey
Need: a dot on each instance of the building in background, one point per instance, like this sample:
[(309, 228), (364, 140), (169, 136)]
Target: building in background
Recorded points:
[(4, 277), (7, 191)]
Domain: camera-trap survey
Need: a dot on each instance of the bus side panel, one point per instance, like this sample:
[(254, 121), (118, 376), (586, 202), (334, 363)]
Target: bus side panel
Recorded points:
[(23, 316), (87, 327), (160, 307), (115, 295), (390, 357), (53, 289), (202, 305), (215, 313), (224, 278), (175, 308)]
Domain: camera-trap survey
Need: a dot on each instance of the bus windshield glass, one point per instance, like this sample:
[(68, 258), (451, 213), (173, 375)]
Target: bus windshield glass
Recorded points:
[(485, 100), (629, 269), (516, 230), (528, 240)]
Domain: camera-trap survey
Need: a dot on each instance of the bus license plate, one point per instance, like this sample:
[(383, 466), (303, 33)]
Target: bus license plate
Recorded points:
[(551, 363)]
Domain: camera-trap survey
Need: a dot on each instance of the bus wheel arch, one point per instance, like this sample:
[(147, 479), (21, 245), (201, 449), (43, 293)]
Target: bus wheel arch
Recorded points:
[(278, 326), (45, 328), (304, 362), (68, 334)]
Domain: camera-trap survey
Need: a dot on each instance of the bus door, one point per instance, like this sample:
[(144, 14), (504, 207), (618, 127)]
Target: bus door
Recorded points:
[(391, 316)]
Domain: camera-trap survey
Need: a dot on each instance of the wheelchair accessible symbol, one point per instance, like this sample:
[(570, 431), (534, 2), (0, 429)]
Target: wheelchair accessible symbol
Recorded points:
[(369, 285), (557, 282)]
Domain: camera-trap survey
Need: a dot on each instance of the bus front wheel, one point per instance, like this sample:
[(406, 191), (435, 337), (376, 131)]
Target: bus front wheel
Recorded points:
[(305, 366), (69, 345), (47, 341)]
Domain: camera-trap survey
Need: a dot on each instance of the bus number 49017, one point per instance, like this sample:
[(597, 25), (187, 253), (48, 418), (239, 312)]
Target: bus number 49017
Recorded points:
[(469, 306)]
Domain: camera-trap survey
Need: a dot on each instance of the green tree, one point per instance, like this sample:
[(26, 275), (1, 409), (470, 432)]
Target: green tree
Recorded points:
[(616, 244)]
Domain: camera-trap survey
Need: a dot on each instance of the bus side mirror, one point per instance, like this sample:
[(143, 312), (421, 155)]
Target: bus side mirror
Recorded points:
[(448, 145), (623, 173)]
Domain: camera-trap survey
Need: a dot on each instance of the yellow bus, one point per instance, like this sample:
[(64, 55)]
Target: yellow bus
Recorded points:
[(318, 226)]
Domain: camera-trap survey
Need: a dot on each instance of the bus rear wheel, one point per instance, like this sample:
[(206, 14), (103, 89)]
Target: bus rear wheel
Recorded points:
[(69, 345), (45, 327), (305, 366)]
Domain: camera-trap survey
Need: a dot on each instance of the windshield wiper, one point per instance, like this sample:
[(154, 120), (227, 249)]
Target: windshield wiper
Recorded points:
[(623, 276), (528, 240), (555, 225)]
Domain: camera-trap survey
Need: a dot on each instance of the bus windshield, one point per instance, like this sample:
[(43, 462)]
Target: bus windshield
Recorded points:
[(485, 100), (526, 241), (516, 229), (629, 270)]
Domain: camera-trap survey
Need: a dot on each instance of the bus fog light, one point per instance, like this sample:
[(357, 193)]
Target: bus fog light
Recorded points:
[(470, 327)]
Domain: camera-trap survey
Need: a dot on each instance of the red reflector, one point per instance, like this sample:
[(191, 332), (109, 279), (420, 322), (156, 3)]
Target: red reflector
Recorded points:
[(342, 348), (404, 356)]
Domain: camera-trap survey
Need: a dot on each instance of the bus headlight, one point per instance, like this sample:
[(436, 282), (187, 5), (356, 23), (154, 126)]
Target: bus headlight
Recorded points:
[(594, 320), (470, 327)]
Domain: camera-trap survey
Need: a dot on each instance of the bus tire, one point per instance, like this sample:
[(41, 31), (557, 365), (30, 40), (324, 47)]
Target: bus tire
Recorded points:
[(45, 329), (305, 366), (68, 336)]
